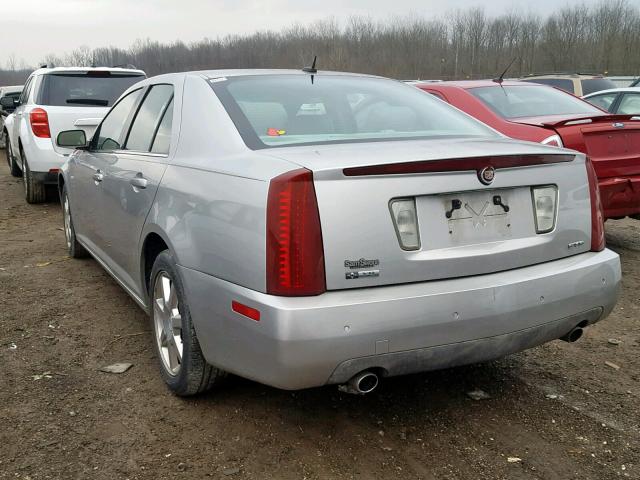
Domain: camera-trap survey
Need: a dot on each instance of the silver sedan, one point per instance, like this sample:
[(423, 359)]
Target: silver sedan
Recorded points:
[(303, 228)]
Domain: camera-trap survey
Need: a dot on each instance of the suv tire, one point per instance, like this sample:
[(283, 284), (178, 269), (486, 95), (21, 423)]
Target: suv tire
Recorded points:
[(13, 166), (34, 192)]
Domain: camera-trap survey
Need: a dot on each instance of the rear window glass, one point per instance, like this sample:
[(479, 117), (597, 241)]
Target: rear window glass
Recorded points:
[(531, 101), (603, 101), (281, 110), (561, 83), (84, 90), (591, 85)]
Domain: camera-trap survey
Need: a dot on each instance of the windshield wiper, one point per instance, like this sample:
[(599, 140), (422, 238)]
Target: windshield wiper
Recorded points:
[(89, 101)]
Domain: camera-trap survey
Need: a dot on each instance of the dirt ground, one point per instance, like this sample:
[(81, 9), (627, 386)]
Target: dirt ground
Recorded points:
[(555, 412)]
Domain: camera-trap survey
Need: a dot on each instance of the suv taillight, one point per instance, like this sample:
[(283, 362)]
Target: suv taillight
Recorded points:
[(295, 255), (597, 214), (39, 123)]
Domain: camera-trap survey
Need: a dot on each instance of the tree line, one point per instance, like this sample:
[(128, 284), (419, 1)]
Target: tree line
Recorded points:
[(603, 38)]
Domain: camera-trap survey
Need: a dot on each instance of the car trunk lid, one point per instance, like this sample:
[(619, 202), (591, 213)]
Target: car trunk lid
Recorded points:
[(611, 141), (361, 242)]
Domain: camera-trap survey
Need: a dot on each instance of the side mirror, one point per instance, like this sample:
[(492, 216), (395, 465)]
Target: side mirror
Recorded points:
[(72, 139), (9, 102)]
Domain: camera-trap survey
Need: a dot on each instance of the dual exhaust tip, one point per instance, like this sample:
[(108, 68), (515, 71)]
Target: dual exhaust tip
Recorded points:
[(367, 381)]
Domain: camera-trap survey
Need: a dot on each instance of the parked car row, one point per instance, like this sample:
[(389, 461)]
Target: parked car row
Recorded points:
[(304, 228)]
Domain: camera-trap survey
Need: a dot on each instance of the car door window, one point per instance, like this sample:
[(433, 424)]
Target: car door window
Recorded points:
[(630, 104), (603, 101), (111, 131), (149, 117), (26, 91), (162, 139)]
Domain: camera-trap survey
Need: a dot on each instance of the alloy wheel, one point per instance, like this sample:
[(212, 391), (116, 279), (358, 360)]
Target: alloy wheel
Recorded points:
[(167, 322), (67, 222)]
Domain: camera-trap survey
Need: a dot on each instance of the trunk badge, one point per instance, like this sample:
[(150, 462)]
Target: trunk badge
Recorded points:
[(618, 125), (486, 175)]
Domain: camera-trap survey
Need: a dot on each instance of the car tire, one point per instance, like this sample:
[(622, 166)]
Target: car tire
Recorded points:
[(34, 192), (75, 249), (13, 166), (182, 365)]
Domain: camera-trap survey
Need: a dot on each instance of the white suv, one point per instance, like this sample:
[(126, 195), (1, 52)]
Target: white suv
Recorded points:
[(54, 100)]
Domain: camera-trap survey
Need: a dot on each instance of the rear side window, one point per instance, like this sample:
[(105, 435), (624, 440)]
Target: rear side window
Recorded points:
[(603, 101), (591, 85), (162, 140), (111, 130), (630, 104), (84, 89), (512, 101), (561, 83), (27, 89), (149, 118)]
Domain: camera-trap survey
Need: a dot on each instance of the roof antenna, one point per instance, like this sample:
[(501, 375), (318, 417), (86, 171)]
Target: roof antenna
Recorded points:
[(312, 68), (500, 79)]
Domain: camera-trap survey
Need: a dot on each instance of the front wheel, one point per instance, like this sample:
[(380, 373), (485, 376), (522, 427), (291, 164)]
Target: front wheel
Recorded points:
[(34, 191), (182, 364), (13, 166)]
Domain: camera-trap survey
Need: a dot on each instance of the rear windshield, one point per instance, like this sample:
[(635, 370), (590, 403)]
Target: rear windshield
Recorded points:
[(590, 85), (561, 83), (282, 110), (531, 101), (91, 89)]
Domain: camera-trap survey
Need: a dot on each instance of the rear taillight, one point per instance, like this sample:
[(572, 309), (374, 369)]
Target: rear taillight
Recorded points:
[(405, 220), (597, 214), (553, 140), (39, 123), (295, 255), (545, 206)]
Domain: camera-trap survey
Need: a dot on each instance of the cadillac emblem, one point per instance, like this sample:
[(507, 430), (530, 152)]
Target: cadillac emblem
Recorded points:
[(487, 174)]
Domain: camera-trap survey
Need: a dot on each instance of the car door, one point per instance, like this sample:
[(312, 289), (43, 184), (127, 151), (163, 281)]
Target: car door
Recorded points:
[(629, 104), (131, 181), (87, 168)]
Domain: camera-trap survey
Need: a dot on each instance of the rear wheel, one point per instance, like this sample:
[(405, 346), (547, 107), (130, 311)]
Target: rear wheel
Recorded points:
[(73, 246), (34, 191), (182, 364), (13, 166)]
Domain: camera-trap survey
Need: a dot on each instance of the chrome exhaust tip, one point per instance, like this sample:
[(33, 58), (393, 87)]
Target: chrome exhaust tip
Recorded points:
[(573, 336), (361, 383)]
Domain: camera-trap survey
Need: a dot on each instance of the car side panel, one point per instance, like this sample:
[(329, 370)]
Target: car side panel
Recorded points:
[(215, 223)]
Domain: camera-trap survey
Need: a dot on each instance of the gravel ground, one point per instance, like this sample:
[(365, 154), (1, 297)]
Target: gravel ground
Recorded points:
[(554, 412)]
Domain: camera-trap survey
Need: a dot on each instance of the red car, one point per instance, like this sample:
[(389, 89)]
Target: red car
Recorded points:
[(544, 114)]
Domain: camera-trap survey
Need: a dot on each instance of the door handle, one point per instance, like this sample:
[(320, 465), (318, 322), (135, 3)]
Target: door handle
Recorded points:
[(139, 181), (98, 177)]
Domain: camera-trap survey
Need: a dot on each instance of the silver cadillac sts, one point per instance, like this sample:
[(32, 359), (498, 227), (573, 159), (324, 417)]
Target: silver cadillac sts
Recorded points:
[(303, 228)]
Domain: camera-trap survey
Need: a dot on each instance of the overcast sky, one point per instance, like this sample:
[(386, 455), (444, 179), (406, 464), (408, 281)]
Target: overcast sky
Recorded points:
[(38, 27)]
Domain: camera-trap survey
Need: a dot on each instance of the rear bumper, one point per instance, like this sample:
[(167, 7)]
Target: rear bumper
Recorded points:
[(312, 341), (44, 161), (620, 196)]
